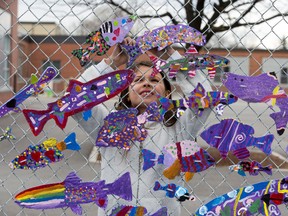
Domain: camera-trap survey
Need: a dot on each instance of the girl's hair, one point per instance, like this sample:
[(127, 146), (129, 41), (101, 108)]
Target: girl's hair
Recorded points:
[(124, 103)]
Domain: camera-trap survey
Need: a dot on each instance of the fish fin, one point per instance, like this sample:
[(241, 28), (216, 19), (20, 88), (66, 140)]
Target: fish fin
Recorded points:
[(132, 51), (212, 72), (157, 186), (121, 187), (191, 50), (166, 104), (34, 79), (87, 114), (33, 116), (199, 90), (188, 176), (153, 112), (241, 172), (157, 63), (264, 143), (280, 119), (161, 212), (72, 179), (241, 153), (77, 209), (147, 156), (71, 143), (173, 171)]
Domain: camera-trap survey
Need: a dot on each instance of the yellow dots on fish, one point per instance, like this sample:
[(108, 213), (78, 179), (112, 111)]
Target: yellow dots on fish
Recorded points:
[(78, 88)]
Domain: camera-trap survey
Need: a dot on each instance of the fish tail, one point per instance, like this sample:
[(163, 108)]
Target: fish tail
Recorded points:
[(132, 51), (166, 104), (83, 55), (150, 159), (267, 169), (281, 119), (71, 142), (157, 186), (36, 119), (121, 187), (264, 143), (161, 212)]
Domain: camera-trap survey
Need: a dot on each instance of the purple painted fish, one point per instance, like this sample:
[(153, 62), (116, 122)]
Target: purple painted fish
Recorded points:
[(252, 167), (262, 88), (173, 190), (109, 33), (136, 211), (39, 156), (189, 63), (163, 37), (123, 126), (259, 199), (72, 192), (198, 101), (80, 97), (185, 156), (230, 135), (35, 87)]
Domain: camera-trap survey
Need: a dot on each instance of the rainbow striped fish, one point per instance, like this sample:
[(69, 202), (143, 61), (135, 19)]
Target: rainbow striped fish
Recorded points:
[(259, 199), (190, 63), (136, 211), (109, 33), (72, 192), (80, 97), (50, 151), (163, 37), (198, 101)]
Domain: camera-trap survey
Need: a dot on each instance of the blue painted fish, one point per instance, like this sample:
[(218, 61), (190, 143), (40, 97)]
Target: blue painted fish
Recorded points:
[(173, 190), (230, 135), (7, 135), (259, 199), (252, 167), (198, 101), (260, 89), (163, 37), (185, 156), (72, 192), (80, 97), (190, 63), (136, 211), (50, 151), (109, 33), (35, 87)]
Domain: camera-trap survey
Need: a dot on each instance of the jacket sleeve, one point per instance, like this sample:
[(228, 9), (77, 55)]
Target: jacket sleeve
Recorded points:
[(190, 123), (99, 112)]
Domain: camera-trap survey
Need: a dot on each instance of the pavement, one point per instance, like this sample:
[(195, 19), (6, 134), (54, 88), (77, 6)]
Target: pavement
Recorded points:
[(205, 185)]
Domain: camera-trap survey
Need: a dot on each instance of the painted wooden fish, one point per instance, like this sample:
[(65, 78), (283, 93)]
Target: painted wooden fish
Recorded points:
[(163, 37), (80, 97), (185, 156), (259, 199), (123, 126), (35, 87), (100, 41), (253, 168), (198, 101), (50, 151), (259, 89), (125, 210), (231, 135)]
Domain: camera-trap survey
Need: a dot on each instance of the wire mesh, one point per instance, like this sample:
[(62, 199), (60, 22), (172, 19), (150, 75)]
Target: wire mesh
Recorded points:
[(36, 34)]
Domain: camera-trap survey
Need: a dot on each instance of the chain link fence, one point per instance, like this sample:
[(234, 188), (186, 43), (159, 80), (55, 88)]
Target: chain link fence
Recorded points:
[(36, 34)]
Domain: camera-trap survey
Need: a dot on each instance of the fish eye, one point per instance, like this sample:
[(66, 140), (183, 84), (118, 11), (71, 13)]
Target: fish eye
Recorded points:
[(235, 78), (242, 80), (231, 96)]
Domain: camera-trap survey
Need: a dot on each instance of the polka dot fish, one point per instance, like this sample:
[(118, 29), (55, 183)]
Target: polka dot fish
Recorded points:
[(35, 87), (163, 37), (185, 156), (258, 199), (124, 126), (79, 97), (100, 41), (39, 156), (72, 192)]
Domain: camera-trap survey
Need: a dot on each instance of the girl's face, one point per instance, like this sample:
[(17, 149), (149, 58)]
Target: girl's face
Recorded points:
[(144, 88)]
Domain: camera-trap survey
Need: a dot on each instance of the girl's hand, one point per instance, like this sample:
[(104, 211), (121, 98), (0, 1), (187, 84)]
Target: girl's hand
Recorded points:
[(163, 54), (118, 56)]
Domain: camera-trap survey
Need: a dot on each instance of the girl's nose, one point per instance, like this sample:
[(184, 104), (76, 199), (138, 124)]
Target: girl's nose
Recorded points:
[(146, 83)]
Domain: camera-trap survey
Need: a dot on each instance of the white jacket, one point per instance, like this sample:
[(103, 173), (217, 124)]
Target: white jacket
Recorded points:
[(116, 162)]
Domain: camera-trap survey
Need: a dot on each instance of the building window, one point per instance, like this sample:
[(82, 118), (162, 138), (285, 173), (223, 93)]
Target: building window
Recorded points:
[(284, 75), (56, 64), (219, 73)]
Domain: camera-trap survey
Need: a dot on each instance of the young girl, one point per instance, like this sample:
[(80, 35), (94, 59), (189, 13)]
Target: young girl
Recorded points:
[(140, 94)]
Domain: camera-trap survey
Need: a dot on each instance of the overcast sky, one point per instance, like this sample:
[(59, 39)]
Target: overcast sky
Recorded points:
[(267, 35)]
